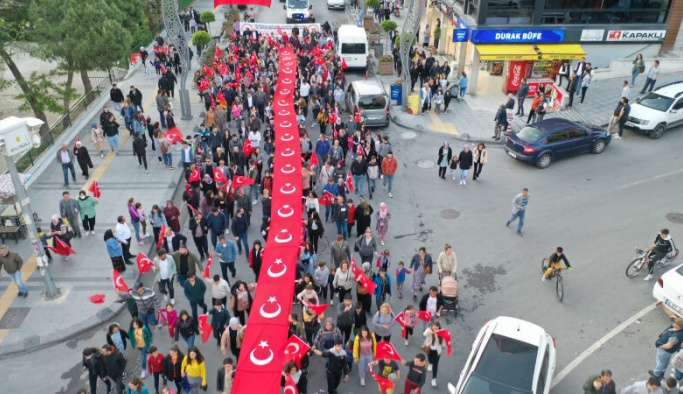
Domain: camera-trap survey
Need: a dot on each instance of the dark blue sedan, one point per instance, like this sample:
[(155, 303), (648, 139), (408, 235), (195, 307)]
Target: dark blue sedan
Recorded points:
[(551, 139)]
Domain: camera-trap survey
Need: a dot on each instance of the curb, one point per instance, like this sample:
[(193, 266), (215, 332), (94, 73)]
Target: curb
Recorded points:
[(462, 137)]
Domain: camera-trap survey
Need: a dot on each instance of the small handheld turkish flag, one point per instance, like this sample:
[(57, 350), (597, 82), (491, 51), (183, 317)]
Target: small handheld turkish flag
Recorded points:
[(384, 383), (61, 248), (204, 327), (400, 318), (207, 270), (386, 350), (367, 283), (173, 135), (208, 71), (446, 335), (247, 148), (163, 69), (424, 315), (240, 181), (193, 209), (95, 189), (219, 52), (97, 298), (204, 84), (349, 181), (160, 241), (317, 309), (344, 65), (195, 176), (326, 199), (314, 161), (218, 176), (144, 263), (296, 349), (119, 283)]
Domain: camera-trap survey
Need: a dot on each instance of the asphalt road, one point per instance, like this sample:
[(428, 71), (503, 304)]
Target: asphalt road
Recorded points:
[(598, 207)]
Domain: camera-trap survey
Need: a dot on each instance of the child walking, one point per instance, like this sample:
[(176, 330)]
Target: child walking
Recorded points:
[(401, 272), (410, 320)]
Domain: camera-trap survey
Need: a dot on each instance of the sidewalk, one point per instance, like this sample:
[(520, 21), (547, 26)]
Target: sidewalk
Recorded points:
[(31, 323)]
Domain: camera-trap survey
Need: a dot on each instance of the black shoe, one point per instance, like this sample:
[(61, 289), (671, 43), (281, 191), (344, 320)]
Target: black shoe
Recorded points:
[(507, 224), (128, 262), (239, 252)]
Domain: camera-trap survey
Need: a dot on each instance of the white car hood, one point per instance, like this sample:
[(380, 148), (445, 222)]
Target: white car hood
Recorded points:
[(645, 113)]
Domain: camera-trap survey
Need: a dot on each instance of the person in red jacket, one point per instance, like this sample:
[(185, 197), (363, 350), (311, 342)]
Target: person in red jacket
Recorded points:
[(155, 365), (351, 215), (389, 167)]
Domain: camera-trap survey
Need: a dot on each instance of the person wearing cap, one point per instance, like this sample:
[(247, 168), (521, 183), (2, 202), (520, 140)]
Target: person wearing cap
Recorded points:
[(13, 263), (83, 158), (668, 343), (186, 263), (146, 300), (194, 291), (97, 137), (166, 269)]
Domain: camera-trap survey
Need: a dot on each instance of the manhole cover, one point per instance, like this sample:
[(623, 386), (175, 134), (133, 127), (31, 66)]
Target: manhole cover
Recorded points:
[(14, 317), (408, 135), (450, 214), (425, 164), (675, 217)]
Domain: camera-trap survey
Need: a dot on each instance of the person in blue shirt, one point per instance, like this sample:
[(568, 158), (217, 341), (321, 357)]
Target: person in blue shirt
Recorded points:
[(226, 250), (322, 148), (218, 224), (128, 112), (382, 287), (334, 190)]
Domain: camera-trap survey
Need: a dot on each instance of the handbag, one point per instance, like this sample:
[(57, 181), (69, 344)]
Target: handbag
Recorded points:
[(641, 69), (428, 270), (426, 349)]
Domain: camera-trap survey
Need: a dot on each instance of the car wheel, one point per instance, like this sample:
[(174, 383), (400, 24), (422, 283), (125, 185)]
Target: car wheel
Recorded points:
[(544, 160), (599, 146), (657, 131)]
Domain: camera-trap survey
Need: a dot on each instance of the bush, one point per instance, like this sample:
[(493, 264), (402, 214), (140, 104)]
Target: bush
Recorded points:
[(372, 3), (201, 38), (207, 17), (397, 41), (388, 26), (385, 59)]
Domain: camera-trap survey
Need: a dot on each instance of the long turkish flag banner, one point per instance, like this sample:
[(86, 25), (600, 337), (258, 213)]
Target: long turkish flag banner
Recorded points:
[(218, 3), (263, 348)]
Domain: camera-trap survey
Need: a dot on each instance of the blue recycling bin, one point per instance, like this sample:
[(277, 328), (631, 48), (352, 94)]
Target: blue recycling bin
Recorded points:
[(397, 94)]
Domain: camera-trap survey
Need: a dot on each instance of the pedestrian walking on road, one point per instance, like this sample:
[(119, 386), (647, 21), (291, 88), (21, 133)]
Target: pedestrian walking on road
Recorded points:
[(59, 229), (465, 159), (500, 122), (83, 158), (115, 366), (668, 343), (68, 208), (141, 337), (93, 363), (13, 263), (383, 217), (480, 156), (436, 344), (195, 289), (638, 68), (194, 369), (147, 302), (421, 264), (139, 145), (445, 155), (623, 117), (66, 159), (86, 210), (389, 166), (651, 386), (97, 137), (652, 74), (605, 385), (519, 204), (187, 328)]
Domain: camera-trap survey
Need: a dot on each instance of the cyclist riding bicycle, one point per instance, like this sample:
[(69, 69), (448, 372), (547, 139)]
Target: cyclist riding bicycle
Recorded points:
[(555, 262), (663, 245)]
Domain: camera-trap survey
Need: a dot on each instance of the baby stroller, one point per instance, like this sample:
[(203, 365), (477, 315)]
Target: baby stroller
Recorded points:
[(449, 292), (455, 92)]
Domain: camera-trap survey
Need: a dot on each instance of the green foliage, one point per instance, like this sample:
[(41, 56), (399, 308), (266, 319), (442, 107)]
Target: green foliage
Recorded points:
[(45, 94), (201, 38), (207, 17), (184, 3), (397, 41), (388, 26), (372, 3), (385, 59)]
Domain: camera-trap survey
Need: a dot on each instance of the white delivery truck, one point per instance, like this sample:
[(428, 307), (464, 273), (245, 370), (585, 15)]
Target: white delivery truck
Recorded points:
[(352, 46)]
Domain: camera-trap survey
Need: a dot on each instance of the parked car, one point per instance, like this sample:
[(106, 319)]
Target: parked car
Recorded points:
[(338, 4), (669, 290), (551, 139), (658, 110), (509, 355), (370, 98)]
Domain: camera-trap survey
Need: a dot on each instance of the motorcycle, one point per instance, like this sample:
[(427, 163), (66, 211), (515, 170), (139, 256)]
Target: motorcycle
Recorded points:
[(397, 8)]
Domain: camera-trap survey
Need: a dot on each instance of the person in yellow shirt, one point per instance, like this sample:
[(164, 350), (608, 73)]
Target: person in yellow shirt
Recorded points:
[(194, 368)]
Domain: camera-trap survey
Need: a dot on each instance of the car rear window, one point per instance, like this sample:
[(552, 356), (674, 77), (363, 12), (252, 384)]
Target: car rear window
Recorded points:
[(372, 102), (656, 101), (530, 134), (506, 362), (350, 48)]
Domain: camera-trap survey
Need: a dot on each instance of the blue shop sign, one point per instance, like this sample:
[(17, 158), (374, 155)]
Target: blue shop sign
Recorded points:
[(461, 35), (517, 36)]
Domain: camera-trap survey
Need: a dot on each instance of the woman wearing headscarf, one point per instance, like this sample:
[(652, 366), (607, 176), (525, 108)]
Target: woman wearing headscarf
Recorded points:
[(445, 155), (383, 217), (83, 158), (86, 209), (207, 184), (362, 293), (60, 230), (172, 214), (363, 216), (232, 338), (114, 250)]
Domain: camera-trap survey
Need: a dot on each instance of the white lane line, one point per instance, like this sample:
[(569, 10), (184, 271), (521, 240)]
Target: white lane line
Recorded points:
[(583, 356), (654, 178)]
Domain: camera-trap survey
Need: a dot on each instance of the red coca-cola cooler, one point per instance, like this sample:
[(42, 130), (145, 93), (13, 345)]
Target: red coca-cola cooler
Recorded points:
[(514, 72)]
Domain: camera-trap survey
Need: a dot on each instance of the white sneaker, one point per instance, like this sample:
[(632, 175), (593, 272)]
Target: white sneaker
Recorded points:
[(165, 298), (648, 277), (92, 233), (391, 195), (144, 374), (255, 202), (433, 382), (172, 301), (407, 343), (464, 182), (331, 302), (382, 243), (543, 278), (429, 368), (362, 382)]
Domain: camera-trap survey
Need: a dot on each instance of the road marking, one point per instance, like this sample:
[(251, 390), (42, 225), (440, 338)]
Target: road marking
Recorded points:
[(586, 353), (440, 126), (654, 178)]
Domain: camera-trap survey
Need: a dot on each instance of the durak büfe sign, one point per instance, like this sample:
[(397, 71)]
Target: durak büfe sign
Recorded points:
[(517, 36)]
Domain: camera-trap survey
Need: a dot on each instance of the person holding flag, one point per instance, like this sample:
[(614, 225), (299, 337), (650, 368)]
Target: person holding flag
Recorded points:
[(389, 370), (432, 303), (433, 346), (146, 300)]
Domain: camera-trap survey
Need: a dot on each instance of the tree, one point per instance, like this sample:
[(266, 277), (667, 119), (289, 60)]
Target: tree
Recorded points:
[(388, 26), (371, 4), (207, 17), (201, 39)]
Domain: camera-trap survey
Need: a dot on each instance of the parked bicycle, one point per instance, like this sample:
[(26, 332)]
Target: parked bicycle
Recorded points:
[(643, 258), (557, 274)]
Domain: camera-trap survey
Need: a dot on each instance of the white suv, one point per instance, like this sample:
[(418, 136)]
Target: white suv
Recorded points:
[(658, 110)]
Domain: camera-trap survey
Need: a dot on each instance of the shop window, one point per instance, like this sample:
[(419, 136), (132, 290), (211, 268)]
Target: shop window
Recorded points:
[(469, 7), (605, 11)]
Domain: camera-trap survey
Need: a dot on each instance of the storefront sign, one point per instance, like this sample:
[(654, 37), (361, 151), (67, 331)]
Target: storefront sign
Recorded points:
[(555, 97), (592, 34), (635, 35), (277, 29), (517, 36), (516, 75), (461, 35)]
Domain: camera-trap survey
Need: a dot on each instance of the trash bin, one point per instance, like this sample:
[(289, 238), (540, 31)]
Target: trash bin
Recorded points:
[(397, 94), (414, 104), (379, 50)]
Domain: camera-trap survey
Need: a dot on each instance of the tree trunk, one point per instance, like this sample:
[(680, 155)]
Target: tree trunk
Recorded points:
[(39, 113), (69, 82), (87, 86)]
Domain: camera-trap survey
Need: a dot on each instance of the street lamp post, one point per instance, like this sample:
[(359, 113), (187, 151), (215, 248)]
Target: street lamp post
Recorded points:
[(15, 138)]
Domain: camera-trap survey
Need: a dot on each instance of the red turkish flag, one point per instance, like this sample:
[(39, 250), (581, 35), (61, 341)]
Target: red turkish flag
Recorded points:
[(204, 327), (207, 71), (314, 161), (233, 36), (446, 335), (247, 148), (290, 385), (95, 189), (333, 117), (349, 181), (361, 151), (97, 298), (224, 69), (295, 350), (400, 318), (207, 270), (356, 116), (219, 52), (193, 209), (344, 65), (144, 263), (195, 176), (218, 176), (221, 99), (173, 135), (317, 309), (61, 248), (252, 60), (240, 181), (163, 69), (350, 142), (424, 315), (326, 199), (160, 241), (384, 383), (355, 270), (386, 350), (119, 283), (317, 51), (203, 84), (367, 283)]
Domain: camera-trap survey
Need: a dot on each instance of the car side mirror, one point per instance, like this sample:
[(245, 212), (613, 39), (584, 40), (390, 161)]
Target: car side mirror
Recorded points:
[(310, 7)]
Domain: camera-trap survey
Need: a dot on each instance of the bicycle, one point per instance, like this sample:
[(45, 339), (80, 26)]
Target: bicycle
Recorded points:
[(557, 274), (643, 258)]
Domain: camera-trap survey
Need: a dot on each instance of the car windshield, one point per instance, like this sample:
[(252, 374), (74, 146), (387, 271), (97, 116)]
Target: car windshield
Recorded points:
[(506, 366), (656, 101), (530, 134), (297, 4), (372, 102)]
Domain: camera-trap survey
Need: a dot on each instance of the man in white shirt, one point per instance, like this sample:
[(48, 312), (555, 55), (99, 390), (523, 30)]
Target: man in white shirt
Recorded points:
[(650, 386), (220, 289), (123, 234), (66, 159), (255, 138), (304, 90), (625, 90), (165, 266), (651, 77)]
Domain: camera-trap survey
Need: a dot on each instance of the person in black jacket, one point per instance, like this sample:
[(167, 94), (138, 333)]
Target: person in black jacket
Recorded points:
[(187, 328), (136, 98), (164, 84), (522, 92), (117, 337), (116, 96), (465, 160), (172, 80), (436, 312), (225, 376), (445, 155), (172, 364), (139, 145), (83, 158), (111, 129), (219, 320), (92, 362), (114, 365), (199, 228)]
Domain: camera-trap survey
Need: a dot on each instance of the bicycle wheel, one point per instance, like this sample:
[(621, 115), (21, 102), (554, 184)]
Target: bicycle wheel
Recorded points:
[(634, 267), (544, 264), (559, 288)]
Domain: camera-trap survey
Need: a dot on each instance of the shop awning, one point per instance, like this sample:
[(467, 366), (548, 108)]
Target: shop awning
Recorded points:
[(561, 51), (507, 52)]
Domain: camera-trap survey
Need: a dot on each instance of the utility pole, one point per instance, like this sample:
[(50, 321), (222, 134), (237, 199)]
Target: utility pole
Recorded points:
[(176, 34), (416, 10)]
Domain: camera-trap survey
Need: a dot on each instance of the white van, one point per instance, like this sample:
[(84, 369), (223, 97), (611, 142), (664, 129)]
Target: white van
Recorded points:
[(299, 11), (352, 46)]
